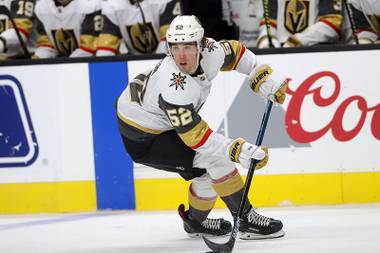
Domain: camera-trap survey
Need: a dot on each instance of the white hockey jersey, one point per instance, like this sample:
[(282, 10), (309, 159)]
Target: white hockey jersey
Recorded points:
[(246, 14), (165, 98), (3, 17), (22, 12), (68, 29), (366, 15), (140, 30), (304, 22)]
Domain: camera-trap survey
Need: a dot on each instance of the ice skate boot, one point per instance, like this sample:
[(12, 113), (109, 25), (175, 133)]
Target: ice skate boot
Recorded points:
[(209, 227), (255, 226)]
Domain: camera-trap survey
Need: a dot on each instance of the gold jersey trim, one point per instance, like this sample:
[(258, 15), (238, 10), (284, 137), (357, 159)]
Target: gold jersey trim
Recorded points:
[(88, 41), (43, 41), (229, 186), (200, 203), (238, 50), (135, 125), (195, 136), (24, 25), (106, 40), (334, 20)]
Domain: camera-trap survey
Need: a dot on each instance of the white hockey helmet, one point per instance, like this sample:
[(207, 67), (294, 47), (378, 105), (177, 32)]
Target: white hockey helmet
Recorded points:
[(185, 29)]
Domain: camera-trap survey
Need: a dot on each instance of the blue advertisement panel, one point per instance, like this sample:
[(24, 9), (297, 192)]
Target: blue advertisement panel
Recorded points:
[(18, 143), (113, 166)]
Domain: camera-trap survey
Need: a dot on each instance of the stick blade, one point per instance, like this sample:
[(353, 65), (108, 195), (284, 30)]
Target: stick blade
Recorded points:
[(220, 248)]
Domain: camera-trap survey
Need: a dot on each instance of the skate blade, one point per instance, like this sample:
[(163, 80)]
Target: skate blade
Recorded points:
[(253, 236), (199, 235)]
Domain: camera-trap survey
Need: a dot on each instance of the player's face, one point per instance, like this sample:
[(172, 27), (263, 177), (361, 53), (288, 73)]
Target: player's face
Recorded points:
[(185, 56)]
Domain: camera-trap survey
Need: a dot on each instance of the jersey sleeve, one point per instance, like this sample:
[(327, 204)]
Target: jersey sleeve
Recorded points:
[(110, 36), (237, 57), (326, 29), (22, 13), (330, 16), (43, 39), (364, 30), (91, 27)]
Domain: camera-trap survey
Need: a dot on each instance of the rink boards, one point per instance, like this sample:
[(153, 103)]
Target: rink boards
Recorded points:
[(60, 150)]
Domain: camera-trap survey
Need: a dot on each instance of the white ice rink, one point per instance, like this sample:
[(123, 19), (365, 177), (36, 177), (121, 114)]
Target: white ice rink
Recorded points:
[(348, 228)]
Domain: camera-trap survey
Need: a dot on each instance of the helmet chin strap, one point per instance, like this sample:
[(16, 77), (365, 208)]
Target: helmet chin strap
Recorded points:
[(197, 61)]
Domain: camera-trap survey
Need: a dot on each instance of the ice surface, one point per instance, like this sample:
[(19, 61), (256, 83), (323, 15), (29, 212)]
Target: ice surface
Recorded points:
[(346, 228)]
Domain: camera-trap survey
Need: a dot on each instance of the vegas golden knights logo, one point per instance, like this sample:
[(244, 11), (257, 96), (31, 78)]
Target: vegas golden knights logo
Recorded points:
[(143, 37), (296, 15), (3, 25), (65, 41)]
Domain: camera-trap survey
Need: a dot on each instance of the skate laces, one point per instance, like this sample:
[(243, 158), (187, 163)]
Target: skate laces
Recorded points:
[(213, 224), (258, 219)]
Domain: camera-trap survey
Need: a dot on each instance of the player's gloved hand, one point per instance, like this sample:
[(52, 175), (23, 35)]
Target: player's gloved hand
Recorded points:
[(268, 83), (293, 41), (263, 42), (242, 152)]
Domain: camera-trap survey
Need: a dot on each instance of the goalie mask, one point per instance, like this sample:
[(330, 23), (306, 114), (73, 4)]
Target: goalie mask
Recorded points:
[(185, 29)]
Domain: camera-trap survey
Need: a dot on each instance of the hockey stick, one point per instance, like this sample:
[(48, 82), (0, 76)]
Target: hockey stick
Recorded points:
[(228, 246), (144, 28), (6, 12), (267, 22), (351, 20)]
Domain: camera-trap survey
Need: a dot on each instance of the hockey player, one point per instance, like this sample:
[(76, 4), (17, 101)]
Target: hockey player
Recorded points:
[(68, 27), (160, 126), (298, 23), (22, 12), (3, 27), (246, 14), (366, 16), (136, 26), (3, 17)]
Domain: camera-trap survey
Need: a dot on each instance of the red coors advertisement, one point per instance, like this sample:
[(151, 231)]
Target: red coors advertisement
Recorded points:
[(287, 128), (294, 124)]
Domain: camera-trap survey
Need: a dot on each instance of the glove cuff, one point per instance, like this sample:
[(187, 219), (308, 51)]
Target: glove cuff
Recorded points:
[(235, 149), (293, 41), (260, 75)]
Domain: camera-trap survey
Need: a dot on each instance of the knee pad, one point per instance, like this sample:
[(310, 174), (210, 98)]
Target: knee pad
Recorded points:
[(202, 195), (225, 178), (216, 167)]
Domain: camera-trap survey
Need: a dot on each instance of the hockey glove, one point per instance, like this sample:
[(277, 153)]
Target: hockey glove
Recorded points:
[(242, 152), (293, 41), (268, 83)]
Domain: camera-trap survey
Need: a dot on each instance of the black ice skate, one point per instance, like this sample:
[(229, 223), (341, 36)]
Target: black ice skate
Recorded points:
[(255, 226), (209, 227)]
